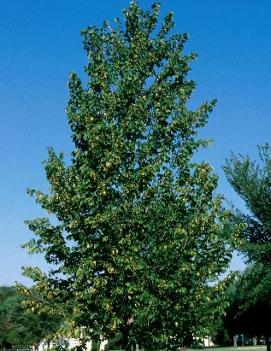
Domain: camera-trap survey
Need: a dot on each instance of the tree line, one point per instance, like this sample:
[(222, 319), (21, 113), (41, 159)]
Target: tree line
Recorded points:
[(249, 311), (21, 327)]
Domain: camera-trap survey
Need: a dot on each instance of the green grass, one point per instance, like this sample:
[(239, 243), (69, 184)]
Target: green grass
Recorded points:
[(228, 348), (239, 348)]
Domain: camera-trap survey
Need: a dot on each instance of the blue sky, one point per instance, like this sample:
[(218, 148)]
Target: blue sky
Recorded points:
[(40, 44)]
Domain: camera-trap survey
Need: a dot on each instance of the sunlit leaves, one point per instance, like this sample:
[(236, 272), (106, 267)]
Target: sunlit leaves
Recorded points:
[(138, 234)]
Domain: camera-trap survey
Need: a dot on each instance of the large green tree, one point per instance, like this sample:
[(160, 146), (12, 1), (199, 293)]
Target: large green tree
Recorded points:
[(251, 179), (138, 239)]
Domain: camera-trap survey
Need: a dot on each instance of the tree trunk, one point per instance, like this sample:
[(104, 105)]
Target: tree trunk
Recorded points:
[(125, 334), (235, 341), (125, 330), (267, 341), (254, 340)]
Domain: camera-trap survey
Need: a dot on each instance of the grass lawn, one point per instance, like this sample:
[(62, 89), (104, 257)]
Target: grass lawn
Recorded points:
[(229, 348), (239, 348)]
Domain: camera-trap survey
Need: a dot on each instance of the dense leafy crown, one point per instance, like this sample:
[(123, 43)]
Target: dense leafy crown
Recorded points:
[(19, 328), (251, 179), (139, 233)]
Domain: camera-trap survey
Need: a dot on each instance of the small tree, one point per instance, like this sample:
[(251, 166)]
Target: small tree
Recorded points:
[(140, 234), (252, 181)]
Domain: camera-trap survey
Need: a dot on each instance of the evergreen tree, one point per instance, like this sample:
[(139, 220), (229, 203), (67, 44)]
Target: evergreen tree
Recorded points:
[(140, 235)]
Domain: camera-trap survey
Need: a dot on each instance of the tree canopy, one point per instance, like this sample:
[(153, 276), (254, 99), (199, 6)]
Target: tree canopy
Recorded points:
[(249, 308), (135, 233), (251, 179), (20, 327)]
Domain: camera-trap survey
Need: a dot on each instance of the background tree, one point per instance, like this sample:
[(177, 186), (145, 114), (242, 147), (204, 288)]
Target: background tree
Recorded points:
[(252, 181), (139, 234), (22, 328), (6, 324), (248, 312)]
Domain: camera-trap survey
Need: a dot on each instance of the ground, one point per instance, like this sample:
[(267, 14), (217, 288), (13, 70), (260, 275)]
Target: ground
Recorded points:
[(239, 348)]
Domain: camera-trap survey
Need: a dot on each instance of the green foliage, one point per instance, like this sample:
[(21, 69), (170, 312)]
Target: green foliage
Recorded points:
[(137, 235), (249, 308), (7, 299), (21, 327), (252, 181)]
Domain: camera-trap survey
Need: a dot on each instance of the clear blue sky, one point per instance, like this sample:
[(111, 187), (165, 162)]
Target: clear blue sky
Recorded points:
[(40, 44)]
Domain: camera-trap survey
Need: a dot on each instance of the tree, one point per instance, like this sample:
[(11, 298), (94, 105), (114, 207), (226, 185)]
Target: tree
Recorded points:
[(6, 325), (19, 327), (252, 181), (137, 235), (247, 313)]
